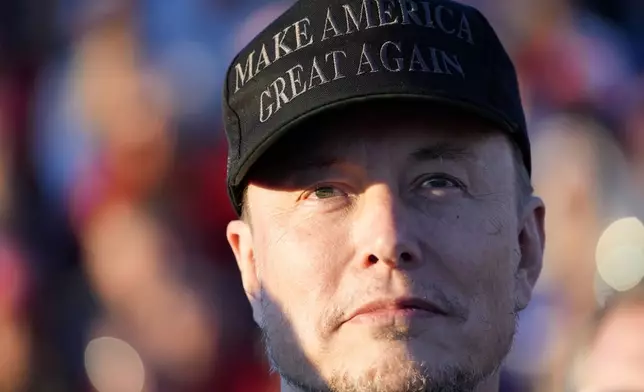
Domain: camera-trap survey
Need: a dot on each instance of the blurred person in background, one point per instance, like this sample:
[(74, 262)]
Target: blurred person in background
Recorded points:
[(583, 175), (123, 243), (16, 279), (152, 284), (15, 340), (576, 73)]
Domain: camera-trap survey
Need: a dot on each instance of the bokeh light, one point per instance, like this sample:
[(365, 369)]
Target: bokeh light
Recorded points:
[(620, 254), (114, 366)]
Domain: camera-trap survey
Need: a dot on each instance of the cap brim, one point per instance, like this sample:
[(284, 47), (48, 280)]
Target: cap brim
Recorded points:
[(236, 189)]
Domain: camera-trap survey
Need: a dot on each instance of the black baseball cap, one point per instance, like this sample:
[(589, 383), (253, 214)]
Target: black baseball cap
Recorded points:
[(324, 54)]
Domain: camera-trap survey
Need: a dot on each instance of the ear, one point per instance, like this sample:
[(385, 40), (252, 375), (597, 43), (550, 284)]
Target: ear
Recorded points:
[(531, 241), (240, 238)]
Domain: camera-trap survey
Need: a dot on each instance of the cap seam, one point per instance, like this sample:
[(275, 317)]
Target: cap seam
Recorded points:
[(227, 101)]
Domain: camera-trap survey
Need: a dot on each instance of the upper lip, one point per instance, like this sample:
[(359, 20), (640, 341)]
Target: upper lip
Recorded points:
[(399, 303)]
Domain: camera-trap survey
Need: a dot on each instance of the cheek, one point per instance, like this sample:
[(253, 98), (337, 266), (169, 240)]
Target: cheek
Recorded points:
[(301, 267), (485, 270), (478, 250)]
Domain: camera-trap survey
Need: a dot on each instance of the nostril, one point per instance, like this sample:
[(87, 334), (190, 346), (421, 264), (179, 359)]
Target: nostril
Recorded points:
[(373, 259), (405, 256)]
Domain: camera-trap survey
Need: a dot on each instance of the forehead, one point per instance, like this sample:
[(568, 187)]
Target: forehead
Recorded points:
[(383, 130)]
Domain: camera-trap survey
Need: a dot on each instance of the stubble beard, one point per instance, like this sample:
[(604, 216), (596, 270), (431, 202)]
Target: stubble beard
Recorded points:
[(290, 363)]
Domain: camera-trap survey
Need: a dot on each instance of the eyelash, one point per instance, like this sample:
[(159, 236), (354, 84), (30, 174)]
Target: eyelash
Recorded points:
[(307, 194), (420, 180)]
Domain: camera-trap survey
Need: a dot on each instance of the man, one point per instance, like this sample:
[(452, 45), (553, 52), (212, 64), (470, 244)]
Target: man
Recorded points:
[(379, 163)]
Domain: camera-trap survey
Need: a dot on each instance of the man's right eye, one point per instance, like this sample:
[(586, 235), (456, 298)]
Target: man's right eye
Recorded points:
[(325, 192)]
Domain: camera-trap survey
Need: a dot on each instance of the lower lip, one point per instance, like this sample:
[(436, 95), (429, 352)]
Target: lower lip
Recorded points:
[(391, 315)]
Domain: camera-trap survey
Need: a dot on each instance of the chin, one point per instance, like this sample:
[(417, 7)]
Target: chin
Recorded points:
[(399, 350), (392, 365), (392, 358), (390, 371)]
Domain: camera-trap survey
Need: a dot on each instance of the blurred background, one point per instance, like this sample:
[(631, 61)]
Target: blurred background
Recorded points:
[(114, 270)]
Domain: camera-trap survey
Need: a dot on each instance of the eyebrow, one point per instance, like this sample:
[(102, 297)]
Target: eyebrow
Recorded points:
[(442, 151)]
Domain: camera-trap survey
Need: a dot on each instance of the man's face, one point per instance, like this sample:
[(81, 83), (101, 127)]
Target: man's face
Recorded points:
[(413, 216)]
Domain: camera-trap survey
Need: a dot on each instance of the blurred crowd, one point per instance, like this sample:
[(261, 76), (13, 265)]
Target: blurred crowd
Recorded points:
[(113, 204)]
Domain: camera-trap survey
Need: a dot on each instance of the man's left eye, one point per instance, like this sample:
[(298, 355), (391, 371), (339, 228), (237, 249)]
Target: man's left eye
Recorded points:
[(439, 186), (440, 183)]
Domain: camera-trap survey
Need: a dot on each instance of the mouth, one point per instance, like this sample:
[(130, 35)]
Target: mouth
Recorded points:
[(396, 308)]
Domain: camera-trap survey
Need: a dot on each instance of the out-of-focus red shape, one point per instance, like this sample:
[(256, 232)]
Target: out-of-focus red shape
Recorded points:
[(245, 375), (213, 204), (198, 188), (14, 280), (551, 67)]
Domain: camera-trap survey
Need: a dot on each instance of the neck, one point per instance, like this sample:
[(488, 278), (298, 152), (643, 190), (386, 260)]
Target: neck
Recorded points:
[(491, 384)]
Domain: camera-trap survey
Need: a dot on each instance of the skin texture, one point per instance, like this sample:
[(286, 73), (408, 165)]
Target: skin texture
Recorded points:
[(388, 201)]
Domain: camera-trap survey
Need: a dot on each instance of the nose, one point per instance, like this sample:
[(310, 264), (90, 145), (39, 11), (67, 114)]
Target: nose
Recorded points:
[(385, 231)]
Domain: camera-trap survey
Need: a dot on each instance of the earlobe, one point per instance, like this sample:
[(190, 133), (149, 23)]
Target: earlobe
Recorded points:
[(241, 242), (531, 241)]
